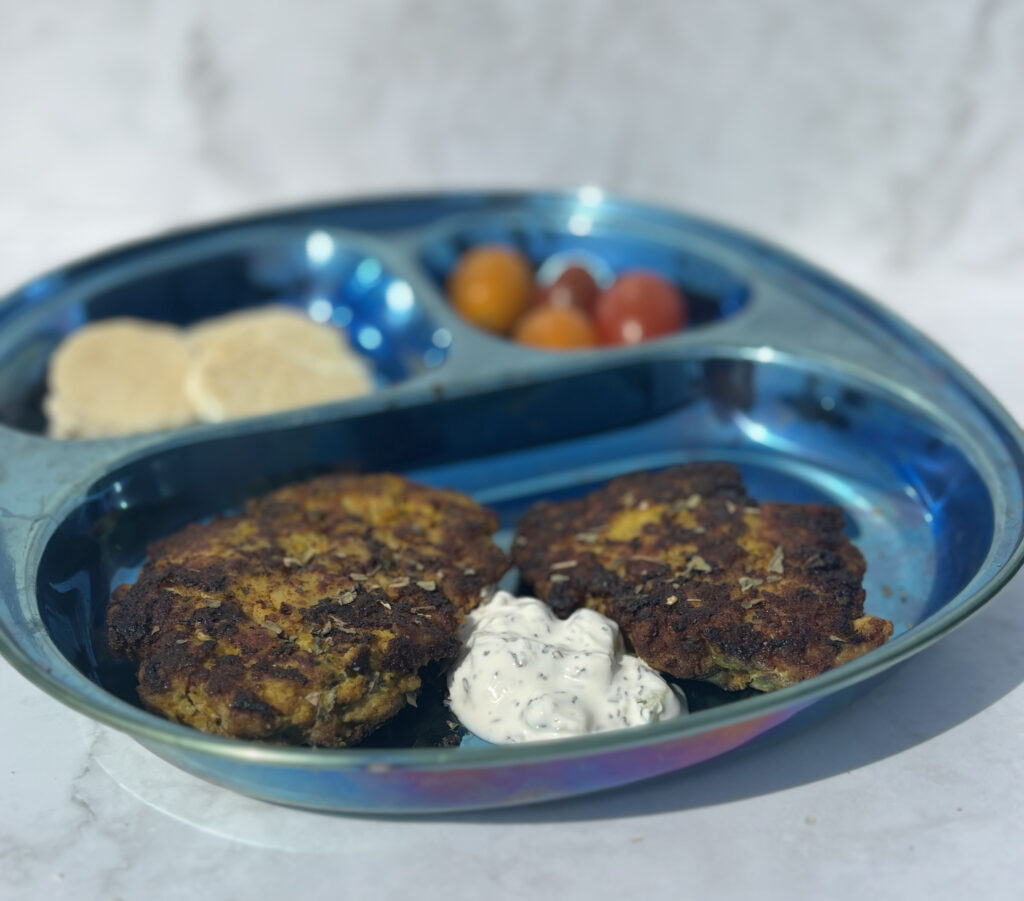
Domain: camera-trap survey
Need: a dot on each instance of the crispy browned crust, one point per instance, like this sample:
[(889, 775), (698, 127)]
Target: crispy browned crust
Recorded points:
[(306, 619), (704, 582)]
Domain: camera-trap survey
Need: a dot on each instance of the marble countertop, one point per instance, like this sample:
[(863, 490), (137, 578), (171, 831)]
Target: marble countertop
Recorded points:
[(884, 143)]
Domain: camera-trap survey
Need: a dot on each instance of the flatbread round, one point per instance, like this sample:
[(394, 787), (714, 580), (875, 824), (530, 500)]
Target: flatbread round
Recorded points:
[(118, 377), (285, 327), (259, 366)]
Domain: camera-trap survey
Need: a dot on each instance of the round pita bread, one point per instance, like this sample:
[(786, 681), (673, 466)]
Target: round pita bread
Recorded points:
[(286, 327), (118, 377), (268, 361)]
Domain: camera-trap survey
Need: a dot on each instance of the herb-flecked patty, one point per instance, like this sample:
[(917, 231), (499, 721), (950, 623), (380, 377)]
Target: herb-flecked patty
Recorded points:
[(306, 619), (705, 582)]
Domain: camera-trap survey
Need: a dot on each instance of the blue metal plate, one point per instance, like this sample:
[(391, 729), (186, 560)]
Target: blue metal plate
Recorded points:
[(815, 392)]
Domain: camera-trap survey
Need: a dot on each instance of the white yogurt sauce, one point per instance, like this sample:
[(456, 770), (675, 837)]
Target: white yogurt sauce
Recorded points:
[(525, 675)]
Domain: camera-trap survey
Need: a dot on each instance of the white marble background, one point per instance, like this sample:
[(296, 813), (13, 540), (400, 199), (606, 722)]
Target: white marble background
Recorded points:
[(884, 140)]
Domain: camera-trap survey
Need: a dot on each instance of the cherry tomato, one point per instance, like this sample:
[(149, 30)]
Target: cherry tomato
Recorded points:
[(638, 306), (539, 295), (556, 328), (490, 286), (575, 287)]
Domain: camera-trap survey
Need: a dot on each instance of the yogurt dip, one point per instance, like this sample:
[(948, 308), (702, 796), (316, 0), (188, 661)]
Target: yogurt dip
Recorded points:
[(525, 675)]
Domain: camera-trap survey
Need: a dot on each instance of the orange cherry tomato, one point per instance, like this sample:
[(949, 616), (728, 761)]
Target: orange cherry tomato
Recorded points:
[(556, 328), (638, 306), (490, 286)]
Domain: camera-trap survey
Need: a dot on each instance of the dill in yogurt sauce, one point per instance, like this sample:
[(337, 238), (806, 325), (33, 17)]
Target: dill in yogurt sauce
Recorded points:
[(525, 675)]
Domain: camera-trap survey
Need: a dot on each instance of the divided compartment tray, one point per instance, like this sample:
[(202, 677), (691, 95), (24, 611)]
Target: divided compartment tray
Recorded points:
[(815, 392)]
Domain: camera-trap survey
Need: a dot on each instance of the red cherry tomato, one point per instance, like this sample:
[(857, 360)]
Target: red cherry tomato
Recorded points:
[(575, 287), (639, 306)]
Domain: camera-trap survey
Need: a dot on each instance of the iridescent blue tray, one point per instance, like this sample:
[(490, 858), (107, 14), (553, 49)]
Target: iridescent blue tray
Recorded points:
[(814, 391)]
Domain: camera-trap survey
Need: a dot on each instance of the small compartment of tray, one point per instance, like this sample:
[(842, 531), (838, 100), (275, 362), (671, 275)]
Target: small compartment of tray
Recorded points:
[(713, 292), (324, 273)]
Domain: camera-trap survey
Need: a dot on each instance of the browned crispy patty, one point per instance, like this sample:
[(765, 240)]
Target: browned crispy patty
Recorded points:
[(307, 618), (704, 582)]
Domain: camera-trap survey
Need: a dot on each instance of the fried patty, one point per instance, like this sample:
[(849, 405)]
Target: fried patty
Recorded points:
[(705, 582), (306, 619)]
